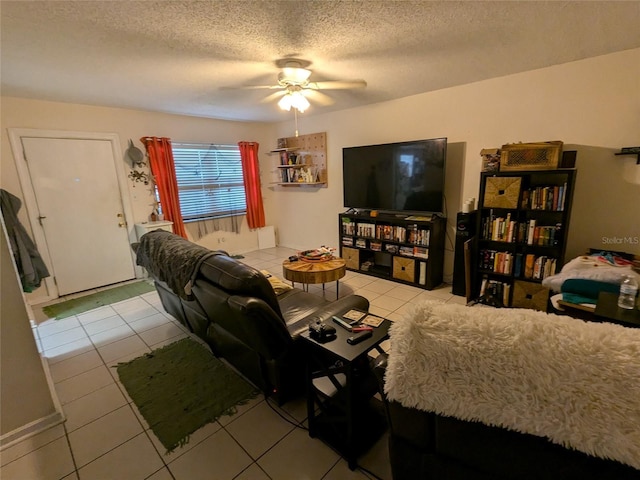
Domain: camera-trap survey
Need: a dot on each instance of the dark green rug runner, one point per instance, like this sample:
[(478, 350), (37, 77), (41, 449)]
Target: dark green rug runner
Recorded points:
[(182, 387), (100, 299)]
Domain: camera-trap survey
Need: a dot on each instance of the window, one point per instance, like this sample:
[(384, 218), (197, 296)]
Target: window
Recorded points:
[(210, 183)]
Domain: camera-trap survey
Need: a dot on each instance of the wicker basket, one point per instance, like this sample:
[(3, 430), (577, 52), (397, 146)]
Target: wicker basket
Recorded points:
[(530, 156), (502, 192), (352, 257), (530, 295), (404, 269)]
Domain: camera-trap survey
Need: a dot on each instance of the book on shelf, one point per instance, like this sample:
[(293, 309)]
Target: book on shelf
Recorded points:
[(499, 229), (562, 197), (395, 233), (348, 227), (529, 263), (549, 198), (497, 262), (549, 268), (539, 267), (517, 265), (531, 231), (496, 289), (505, 294), (376, 246), (407, 251), (391, 248), (420, 252), (422, 273), (366, 230)]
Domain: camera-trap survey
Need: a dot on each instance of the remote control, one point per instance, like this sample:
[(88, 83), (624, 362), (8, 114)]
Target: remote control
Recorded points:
[(359, 337), (361, 329), (342, 323)]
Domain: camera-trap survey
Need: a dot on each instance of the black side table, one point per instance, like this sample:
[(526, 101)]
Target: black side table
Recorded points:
[(340, 385), (607, 309)]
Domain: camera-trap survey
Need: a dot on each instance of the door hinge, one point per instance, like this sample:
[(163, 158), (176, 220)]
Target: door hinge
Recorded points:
[(55, 281)]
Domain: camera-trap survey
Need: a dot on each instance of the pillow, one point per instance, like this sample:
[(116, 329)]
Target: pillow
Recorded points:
[(279, 287)]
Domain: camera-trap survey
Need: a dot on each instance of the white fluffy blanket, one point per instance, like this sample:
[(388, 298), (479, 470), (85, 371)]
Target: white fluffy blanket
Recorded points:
[(574, 382)]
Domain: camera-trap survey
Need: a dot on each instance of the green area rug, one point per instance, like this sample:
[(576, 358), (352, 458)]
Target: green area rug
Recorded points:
[(182, 387), (100, 299)]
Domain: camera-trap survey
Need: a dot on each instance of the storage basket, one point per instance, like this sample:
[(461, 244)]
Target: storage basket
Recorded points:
[(530, 295), (502, 192), (352, 257), (404, 269), (530, 156)]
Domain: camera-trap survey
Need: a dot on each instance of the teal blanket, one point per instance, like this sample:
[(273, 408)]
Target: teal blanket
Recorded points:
[(576, 290)]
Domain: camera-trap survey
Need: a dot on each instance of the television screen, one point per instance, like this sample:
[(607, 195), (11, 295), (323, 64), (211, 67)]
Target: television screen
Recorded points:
[(404, 176)]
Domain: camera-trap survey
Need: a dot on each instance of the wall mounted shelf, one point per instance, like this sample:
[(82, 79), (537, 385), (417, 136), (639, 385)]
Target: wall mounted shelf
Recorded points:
[(631, 151), (302, 160)]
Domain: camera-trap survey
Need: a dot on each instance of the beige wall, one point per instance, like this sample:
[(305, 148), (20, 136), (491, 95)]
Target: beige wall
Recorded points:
[(25, 397), (129, 124), (593, 103)]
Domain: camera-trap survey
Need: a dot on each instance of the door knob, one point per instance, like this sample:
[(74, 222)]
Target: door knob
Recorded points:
[(119, 215), (122, 224), (40, 218)]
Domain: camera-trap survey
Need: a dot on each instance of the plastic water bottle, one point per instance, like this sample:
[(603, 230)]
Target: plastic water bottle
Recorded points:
[(628, 292)]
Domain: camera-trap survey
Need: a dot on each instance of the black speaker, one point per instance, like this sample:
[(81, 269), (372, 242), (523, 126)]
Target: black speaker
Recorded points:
[(465, 229)]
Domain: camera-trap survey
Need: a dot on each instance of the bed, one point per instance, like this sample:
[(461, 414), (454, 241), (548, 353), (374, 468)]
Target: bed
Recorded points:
[(581, 280)]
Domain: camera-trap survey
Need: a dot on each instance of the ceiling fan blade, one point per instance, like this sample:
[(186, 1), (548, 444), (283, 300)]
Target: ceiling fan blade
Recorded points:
[(251, 87), (273, 96), (337, 85), (318, 97)]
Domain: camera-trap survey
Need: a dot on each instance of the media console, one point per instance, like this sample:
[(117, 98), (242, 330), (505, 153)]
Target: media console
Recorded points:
[(404, 248)]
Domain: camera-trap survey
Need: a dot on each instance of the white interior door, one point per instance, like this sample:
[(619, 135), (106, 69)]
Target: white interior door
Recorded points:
[(80, 208)]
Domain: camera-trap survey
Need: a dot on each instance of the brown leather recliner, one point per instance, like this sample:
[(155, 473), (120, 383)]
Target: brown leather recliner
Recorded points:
[(234, 308)]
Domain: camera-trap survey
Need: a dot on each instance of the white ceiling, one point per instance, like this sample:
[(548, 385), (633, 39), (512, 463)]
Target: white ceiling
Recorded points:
[(176, 56)]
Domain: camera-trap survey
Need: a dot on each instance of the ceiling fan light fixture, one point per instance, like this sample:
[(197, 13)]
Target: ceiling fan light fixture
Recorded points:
[(294, 99), (285, 102)]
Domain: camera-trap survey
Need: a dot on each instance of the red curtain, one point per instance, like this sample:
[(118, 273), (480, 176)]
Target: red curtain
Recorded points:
[(164, 173), (253, 192)]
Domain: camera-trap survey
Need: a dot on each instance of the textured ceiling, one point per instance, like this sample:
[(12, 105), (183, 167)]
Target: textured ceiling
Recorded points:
[(177, 56)]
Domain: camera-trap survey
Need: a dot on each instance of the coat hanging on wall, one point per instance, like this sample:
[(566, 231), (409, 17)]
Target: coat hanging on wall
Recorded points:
[(31, 267)]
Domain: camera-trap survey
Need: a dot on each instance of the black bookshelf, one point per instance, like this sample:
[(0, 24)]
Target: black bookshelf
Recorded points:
[(523, 220), (402, 248)]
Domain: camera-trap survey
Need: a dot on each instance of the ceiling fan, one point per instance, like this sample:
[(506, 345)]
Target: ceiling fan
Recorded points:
[(296, 88)]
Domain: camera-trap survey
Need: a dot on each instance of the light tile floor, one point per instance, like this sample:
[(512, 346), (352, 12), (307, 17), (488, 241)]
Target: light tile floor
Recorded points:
[(105, 437)]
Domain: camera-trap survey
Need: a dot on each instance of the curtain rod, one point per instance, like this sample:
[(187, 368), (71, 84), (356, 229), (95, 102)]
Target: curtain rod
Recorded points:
[(203, 143), (196, 144)]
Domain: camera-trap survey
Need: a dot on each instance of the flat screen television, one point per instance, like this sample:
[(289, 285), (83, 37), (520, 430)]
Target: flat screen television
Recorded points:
[(395, 177)]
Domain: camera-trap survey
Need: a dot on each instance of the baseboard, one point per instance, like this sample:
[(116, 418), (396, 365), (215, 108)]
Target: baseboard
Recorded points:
[(30, 429)]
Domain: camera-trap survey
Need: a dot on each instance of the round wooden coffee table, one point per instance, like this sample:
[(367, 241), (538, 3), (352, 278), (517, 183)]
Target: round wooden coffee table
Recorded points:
[(307, 273)]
